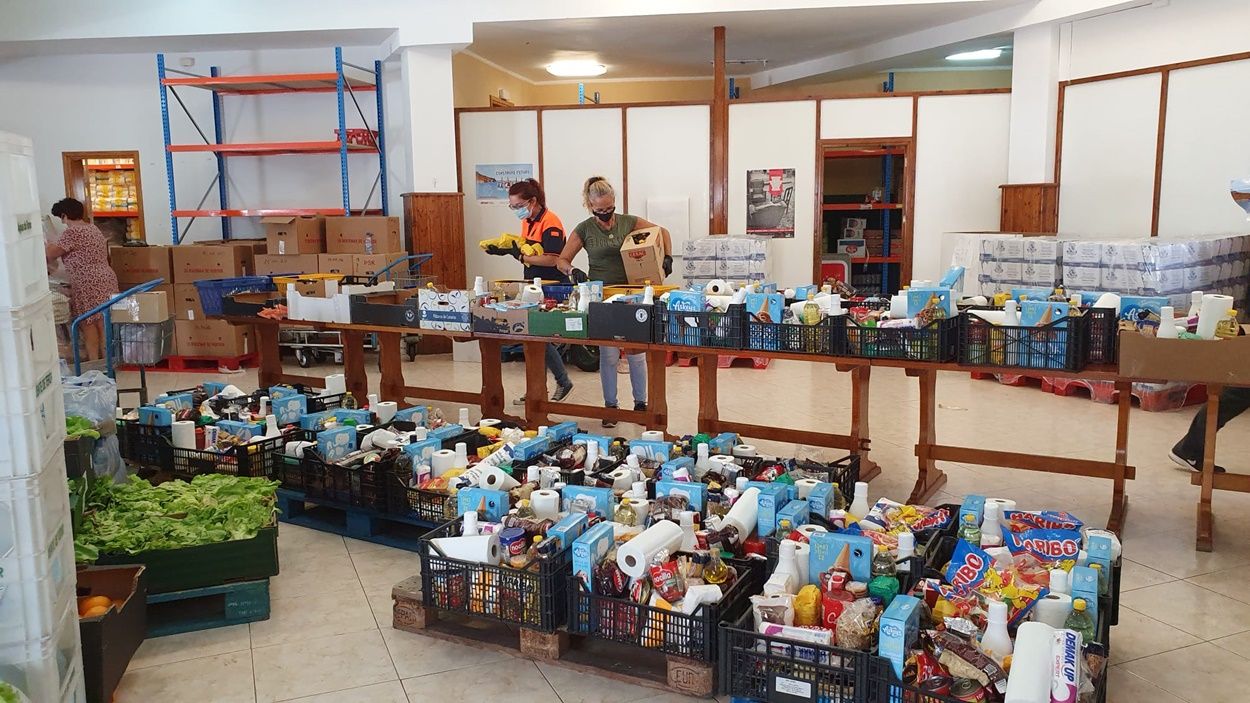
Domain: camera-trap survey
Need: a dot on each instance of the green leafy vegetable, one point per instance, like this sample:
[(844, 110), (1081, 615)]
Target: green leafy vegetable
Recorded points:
[(78, 426), (8, 694), (135, 516)]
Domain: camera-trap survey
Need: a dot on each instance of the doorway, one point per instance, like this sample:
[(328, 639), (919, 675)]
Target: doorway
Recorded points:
[(109, 185)]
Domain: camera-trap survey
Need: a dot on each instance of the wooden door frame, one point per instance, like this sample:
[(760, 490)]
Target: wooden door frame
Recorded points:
[(71, 167), (909, 183)]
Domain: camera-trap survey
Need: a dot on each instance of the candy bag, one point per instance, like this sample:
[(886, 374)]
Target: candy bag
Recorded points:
[(1021, 520), (1044, 543), (970, 568), (856, 625)]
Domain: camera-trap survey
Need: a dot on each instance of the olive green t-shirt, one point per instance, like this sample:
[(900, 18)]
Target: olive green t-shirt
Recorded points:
[(603, 247)]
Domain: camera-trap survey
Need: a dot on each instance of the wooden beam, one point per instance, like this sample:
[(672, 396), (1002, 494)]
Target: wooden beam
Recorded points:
[(720, 137), (1028, 462), (1159, 136)]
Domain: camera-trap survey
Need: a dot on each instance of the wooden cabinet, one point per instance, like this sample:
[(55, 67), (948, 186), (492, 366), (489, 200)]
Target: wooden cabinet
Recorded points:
[(1029, 207), (434, 223)]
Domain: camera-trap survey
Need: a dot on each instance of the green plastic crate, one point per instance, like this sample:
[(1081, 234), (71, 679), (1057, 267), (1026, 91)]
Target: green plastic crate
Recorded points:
[(206, 564), (558, 323)]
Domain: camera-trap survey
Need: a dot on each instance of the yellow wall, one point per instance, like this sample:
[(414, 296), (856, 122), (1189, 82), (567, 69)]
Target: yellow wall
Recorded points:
[(904, 81), (473, 81)]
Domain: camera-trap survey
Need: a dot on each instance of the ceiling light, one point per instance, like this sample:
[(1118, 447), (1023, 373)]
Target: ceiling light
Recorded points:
[(576, 69), (979, 55)]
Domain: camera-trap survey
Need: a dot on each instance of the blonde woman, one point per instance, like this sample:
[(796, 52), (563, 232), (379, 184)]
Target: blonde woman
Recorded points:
[(602, 235)]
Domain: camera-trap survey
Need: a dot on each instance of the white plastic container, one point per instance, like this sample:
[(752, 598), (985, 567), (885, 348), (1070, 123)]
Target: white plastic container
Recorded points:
[(23, 272), (37, 590), (32, 423), (47, 669), (27, 342), (34, 512)]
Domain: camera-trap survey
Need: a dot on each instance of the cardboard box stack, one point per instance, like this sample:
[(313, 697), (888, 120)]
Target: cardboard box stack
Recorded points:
[(360, 245), (875, 241), (194, 335), (733, 257)]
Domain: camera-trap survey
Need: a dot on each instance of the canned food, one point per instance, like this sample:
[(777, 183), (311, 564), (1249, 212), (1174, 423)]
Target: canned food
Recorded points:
[(968, 690)]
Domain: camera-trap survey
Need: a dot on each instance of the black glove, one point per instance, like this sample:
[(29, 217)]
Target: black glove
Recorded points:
[(668, 265), (578, 276), (514, 251)]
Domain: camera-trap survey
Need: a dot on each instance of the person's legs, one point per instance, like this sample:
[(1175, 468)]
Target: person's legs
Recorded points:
[(638, 379), (1233, 402), (608, 356), (555, 364), (93, 338)]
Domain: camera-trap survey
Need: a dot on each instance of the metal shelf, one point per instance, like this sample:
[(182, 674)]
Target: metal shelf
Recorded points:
[(861, 206), (109, 167), (273, 148), (114, 213), (271, 83)]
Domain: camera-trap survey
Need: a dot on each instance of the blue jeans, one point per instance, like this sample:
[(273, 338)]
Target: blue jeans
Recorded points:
[(608, 356), (555, 364)]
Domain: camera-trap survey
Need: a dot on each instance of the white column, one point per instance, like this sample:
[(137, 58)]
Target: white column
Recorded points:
[(1034, 104), (430, 132)]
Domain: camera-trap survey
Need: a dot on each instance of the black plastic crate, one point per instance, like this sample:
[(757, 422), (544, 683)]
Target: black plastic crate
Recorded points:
[(362, 486), (321, 403), (144, 445), (1104, 335), (530, 598), (403, 500), (692, 636), (708, 329), (252, 460), (78, 453), (1062, 345), (764, 668), (801, 339), (937, 341), (843, 473)]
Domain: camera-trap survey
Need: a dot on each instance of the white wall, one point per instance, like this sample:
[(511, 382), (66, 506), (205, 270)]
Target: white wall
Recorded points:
[(669, 157), (777, 135), (112, 101), (857, 118), (961, 159), (578, 144)]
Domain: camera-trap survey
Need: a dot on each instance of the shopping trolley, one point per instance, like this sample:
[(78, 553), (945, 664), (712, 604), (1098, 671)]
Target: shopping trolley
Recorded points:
[(139, 344), (405, 272)]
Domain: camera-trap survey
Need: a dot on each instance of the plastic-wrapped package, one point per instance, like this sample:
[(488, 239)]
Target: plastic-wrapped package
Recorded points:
[(93, 395)]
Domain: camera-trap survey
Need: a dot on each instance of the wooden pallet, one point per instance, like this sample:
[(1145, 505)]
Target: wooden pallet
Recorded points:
[(579, 653), (723, 361), (206, 608), (357, 523), (198, 364)]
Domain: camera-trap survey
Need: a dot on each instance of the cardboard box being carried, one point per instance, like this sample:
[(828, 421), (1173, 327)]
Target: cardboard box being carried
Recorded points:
[(186, 302), (149, 307), (266, 264), (212, 338), (134, 265), (295, 235), (363, 234), (643, 255), (200, 262)]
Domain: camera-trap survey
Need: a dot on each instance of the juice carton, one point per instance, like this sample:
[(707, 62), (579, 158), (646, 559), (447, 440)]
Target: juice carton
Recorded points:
[(568, 529), (651, 449), (796, 511), (973, 505), (423, 451), (244, 431), (177, 401), (155, 416), (696, 493), (418, 415), (587, 499), (722, 443), (668, 467), (820, 499), (530, 448), (562, 431), (773, 497), (898, 629), (918, 298), (604, 442)]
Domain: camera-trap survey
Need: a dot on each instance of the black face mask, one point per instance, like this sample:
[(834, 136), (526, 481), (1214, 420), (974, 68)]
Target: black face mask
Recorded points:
[(605, 216)]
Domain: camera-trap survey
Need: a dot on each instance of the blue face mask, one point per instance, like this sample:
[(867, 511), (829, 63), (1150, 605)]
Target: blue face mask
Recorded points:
[(521, 213)]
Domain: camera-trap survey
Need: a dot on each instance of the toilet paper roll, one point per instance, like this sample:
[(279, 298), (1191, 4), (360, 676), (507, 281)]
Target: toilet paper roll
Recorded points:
[(622, 479), (183, 434), (1002, 503), (1214, 308), (1029, 681), (805, 486), (635, 555), (296, 449), (386, 410), (336, 383), (379, 439), (809, 530), (653, 436), (546, 504), (441, 462), (480, 549), (1053, 609), (743, 450), (488, 422), (721, 460), (744, 513), (496, 478), (802, 554), (532, 294), (1108, 300)]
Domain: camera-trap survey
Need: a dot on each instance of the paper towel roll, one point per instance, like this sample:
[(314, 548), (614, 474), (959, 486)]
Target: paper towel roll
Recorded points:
[(635, 555), (386, 410), (805, 486), (480, 549), (532, 294), (546, 504), (183, 432), (1215, 307), (622, 479), (1029, 680), (488, 422), (698, 595), (441, 462), (809, 530), (1002, 503), (653, 436), (744, 513), (802, 553), (1053, 610), (744, 450), (336, 383), (496, 478)]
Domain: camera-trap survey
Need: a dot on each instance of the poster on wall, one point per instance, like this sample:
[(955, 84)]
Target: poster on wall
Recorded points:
[(494, 180), (770, 202)]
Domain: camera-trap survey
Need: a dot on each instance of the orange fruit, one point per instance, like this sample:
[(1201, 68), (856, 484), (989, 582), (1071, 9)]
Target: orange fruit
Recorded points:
[(85, 604), (96, 611)]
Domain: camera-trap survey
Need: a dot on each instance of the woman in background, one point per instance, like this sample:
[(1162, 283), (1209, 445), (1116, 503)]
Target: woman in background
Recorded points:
[(602, 235), (83, 249)]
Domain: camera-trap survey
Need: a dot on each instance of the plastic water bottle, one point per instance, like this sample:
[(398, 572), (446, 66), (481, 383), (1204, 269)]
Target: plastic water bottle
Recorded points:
[(991, 532), (970, 531), (1080, 621)]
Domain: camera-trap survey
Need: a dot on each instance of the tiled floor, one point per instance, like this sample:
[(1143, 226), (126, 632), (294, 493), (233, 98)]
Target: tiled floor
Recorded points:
[(1184, 632)]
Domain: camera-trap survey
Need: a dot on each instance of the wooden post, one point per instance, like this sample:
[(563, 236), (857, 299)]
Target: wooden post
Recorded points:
[(929, 478), (860, 381), (354, 364), (536, 384), (492, 377), (657, 390), (1119, 499), (720, 136), (709, 410), (1206, 518), (391, 386)]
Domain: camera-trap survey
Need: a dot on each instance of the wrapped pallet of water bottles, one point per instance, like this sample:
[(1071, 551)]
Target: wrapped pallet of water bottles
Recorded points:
[(980, 601)]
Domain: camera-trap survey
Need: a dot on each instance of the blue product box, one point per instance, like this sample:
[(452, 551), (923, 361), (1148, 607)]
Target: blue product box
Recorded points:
[(918, 298), (276, 392), (569, 528), (827, 547), (696, 493), (898, 629), (820, 499), (1088, 297), (530, 448), (800, 292), (1101, 551), (589, 549), (973, 505), (421, 452), (796, 511), (563, 431), (1084, 582), (446, 432), (723, 443), (336, 443), (312, 421), (212, 388), (360, 417), (289, 409), (418, 415), (952, 277), (651, 449), (773, 497), (1143, 311), (245, 431), (1036, 313), (605, 443), (492, 504), (680, 331), (668, 467), (1022, 294), (587, 499), (155, 416), (765, 307), (177, 401), (768, 287), (792, 491)]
